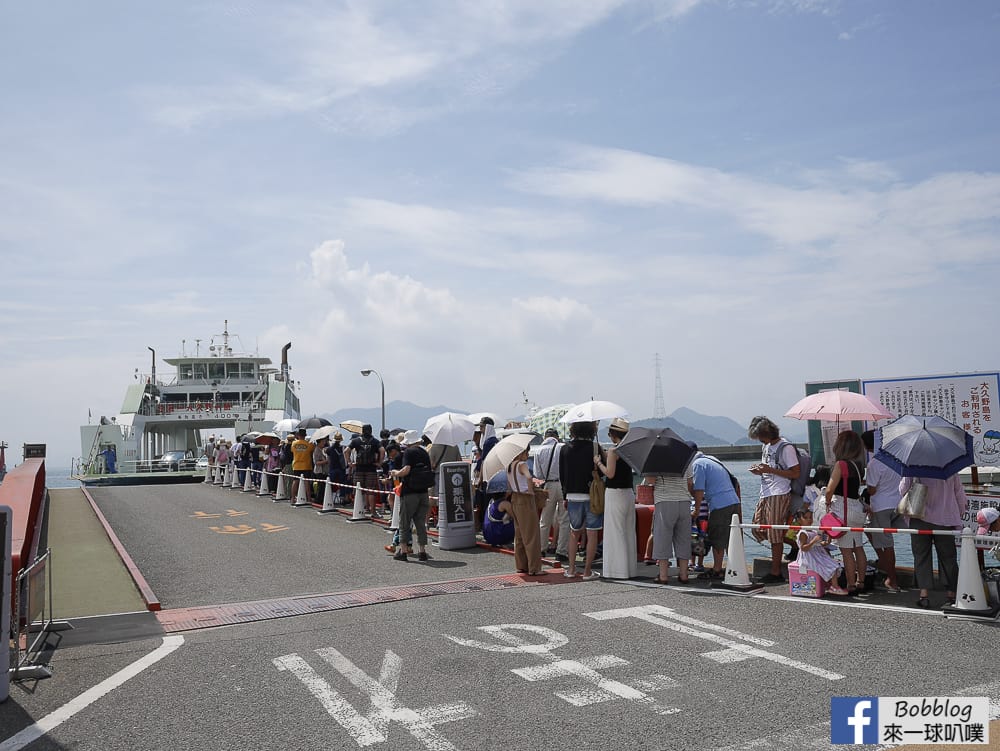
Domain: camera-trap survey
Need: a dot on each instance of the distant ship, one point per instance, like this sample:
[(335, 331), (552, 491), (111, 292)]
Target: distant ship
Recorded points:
[(157, 435)]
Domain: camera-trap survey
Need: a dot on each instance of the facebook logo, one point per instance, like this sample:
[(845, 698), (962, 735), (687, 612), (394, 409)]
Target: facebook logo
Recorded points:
[(853, 719)]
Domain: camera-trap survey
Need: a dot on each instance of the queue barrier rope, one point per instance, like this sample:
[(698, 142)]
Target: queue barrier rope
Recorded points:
[(231, 468), (884, 530)]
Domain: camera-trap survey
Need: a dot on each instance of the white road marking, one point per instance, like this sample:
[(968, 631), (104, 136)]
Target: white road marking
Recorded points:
[(727, 655), (360, 728), (600, 689), (385, 708), (69, 709), (666, 618)]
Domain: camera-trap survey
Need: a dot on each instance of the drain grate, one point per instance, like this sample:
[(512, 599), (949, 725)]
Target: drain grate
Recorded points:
[(188, 619)]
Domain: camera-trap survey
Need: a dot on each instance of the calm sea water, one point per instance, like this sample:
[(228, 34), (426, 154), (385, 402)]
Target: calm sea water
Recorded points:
[(750, 485)]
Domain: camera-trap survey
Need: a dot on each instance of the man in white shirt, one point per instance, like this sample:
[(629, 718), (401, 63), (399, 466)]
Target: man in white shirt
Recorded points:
[(775, 489), (882, 489), (546, 468)]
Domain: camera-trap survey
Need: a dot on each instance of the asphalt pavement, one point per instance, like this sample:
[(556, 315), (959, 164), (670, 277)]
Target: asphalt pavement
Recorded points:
[(577, 666)]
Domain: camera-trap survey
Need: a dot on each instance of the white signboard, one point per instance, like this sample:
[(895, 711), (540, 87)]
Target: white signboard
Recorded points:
[(966, 400)]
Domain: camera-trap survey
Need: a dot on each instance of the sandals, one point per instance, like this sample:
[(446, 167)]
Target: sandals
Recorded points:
[(658, 580)]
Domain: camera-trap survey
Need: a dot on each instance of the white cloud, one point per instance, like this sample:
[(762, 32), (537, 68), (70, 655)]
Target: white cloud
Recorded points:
[(357, 63), (902, 232)]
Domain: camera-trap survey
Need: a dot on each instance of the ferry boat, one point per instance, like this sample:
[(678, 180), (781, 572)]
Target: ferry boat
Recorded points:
[(158, 434)]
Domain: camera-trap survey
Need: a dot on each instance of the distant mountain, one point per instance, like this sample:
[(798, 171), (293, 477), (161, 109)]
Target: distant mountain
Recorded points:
[(730, 431), (398, 414), (686, 432)]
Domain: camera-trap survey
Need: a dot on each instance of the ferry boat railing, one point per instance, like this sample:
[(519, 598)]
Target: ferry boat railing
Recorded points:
[(32, 620)]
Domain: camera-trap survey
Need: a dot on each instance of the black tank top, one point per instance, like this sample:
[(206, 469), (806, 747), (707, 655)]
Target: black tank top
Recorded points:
[(623, 475), (853, 481)]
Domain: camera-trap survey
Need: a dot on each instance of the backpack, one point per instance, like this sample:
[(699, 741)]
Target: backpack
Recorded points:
[(805, 466), (421, 477), (366, 452), (286, 454), (732, 477)]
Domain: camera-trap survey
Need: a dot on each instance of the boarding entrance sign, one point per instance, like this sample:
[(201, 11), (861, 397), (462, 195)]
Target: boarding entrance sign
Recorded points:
[(456, 523)]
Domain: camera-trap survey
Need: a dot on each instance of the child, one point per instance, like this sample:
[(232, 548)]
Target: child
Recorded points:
[(813, 555), (498, 522)]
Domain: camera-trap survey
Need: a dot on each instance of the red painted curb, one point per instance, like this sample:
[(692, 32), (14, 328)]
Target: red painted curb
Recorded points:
[(145, 591)]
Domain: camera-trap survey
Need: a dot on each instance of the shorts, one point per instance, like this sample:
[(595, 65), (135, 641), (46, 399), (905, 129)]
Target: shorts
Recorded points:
[(302, 472), (719, 522), (771, 509), (368, 480), (580, 515), (886, 518)]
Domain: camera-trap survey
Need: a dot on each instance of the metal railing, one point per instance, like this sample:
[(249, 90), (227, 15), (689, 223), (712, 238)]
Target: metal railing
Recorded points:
[(32, 615)]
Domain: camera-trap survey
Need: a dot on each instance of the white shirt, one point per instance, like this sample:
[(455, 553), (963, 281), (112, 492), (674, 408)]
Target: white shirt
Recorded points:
[(771, 484), (886, 484), (550, 449)]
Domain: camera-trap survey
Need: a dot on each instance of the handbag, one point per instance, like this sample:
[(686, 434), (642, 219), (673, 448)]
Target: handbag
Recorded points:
[(541, 497), (832, 520), (596, 490), (914, 502)]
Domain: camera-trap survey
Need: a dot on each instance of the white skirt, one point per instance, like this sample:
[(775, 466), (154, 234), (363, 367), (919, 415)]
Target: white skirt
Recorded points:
[(619, 560)]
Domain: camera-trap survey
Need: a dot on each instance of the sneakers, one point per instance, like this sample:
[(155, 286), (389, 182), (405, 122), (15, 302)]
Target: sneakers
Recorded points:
[(562, 557), (390, 548), (399, 557), (591, 576), (422, 556), (772, 579)]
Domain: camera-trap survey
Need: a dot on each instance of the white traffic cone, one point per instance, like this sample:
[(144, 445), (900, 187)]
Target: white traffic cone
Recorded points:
[(217, 479), (394, 524), (227, 479), (234, 481), (970, 597), (737, 578), (264, 488), (358, 515), (247, 480), (281, 492), (208, 474), (301, 499), (329, 499)]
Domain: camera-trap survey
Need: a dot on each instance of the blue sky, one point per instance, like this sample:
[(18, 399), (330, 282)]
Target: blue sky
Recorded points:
[(483, 199)]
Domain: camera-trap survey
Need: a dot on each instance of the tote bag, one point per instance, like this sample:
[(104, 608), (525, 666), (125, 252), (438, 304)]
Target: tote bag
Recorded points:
[(596, 490)]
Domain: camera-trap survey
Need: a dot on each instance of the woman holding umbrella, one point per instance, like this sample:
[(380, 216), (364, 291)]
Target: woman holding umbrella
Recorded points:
[(527, 553), (620, 560), (576, 469), (943, 509), (848, 449)]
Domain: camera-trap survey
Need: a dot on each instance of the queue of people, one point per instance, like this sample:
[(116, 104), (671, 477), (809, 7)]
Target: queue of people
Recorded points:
[(544, 506)]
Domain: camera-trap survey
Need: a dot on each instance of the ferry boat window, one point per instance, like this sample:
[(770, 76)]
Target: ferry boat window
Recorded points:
[(247, 370), (233, 370), (199, 370), (217, 371), (185, 372)]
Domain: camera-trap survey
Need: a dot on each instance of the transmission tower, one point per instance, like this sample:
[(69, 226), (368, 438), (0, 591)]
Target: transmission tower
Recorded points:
[(659, 411)]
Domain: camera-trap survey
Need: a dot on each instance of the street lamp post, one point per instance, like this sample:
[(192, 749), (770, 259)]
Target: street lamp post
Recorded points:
[(368, 372)]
